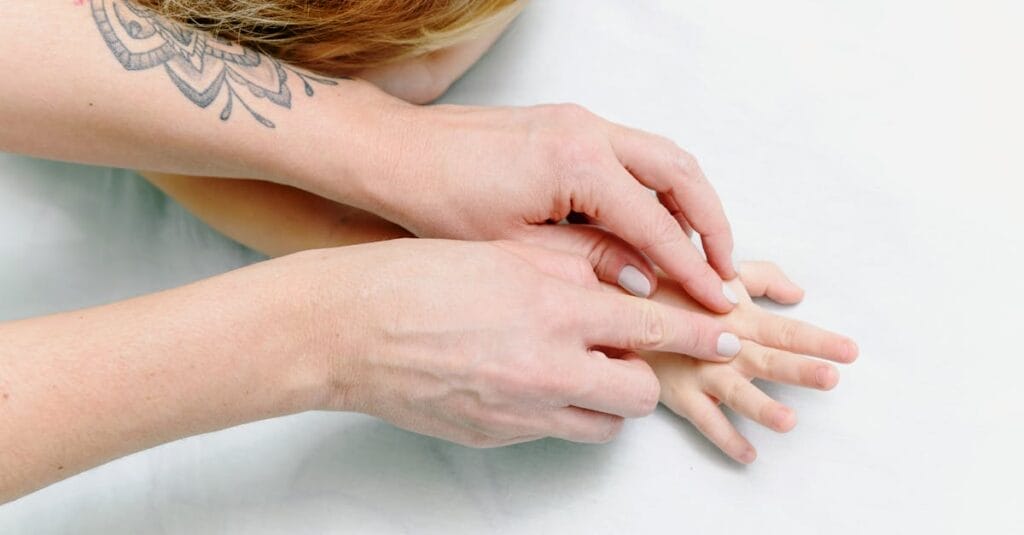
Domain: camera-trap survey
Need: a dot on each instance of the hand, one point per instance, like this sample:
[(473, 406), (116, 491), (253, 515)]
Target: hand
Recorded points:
[(772, 350), (473, 342), (501, 173)]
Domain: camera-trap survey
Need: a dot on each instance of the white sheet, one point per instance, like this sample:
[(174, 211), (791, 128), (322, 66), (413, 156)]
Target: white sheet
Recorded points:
[(871, 148)]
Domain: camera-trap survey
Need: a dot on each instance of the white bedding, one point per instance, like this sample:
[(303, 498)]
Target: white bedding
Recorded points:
[(865, 146)]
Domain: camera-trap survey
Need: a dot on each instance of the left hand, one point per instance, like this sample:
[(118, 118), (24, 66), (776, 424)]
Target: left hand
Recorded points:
[(772, 349)]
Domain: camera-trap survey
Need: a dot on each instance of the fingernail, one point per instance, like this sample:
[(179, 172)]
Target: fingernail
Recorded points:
[(851, 350), (728, 345), (634, 281), (729, 294), (748, 456), (824, 377)]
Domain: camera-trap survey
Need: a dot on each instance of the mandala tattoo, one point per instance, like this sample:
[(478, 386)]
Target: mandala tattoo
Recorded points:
[(201, 66)]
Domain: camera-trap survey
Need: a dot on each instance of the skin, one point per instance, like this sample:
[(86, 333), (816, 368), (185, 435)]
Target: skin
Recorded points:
[(457, 172), (276, 220), (775, 348), (318, 329), (349, 328), (424, 79), (279, 220)]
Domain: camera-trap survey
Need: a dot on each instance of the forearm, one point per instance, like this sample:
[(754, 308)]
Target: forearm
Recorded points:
[(69, 96), (80, 388), (272, 218)]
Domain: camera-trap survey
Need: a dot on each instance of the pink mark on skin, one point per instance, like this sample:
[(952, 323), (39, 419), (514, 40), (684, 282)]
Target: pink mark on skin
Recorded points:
[(79, 2)]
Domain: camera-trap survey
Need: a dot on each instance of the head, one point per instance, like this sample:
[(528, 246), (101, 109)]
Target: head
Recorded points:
[(336, 37)]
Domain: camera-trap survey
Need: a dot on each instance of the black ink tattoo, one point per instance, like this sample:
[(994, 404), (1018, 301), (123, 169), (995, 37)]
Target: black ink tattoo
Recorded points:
[(201, 66)]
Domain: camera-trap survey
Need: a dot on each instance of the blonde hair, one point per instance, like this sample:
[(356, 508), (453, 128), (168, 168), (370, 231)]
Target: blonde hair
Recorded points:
[(335, 36)]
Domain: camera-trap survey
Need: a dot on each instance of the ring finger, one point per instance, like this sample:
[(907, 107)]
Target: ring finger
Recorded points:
[(736, 392), (781, 366)]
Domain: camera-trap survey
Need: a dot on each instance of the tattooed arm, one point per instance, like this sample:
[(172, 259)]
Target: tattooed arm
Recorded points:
[(105, 82), (462, 172)]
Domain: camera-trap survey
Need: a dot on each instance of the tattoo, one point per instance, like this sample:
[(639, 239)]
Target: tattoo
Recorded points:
[(202, 66)]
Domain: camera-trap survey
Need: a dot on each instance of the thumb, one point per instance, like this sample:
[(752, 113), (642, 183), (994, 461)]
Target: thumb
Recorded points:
[(612, 259)]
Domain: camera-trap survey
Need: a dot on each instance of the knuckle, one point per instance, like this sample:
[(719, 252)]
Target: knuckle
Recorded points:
[(574, 154), (732, 393), (704, 416), (686, 164), (570, 111), (701, 334), (567, 135), (767, 361), (659, 228), (650, 328), (787, 334), (580, 269)]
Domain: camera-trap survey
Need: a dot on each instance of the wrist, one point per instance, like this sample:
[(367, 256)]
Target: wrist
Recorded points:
[(343, 148), (267, 337), (317, 349)]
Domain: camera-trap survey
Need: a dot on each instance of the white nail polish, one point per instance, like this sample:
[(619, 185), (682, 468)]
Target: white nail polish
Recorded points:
[(633, 281), (729, 294), (728, 345)]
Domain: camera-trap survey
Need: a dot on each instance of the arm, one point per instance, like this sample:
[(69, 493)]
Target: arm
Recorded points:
[(352, 328), (80, 388), (273, 219), (471, 173), (107, 83), (773, 346)]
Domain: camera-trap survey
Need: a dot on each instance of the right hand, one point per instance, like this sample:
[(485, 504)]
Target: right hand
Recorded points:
[(476, 173), (482, 343), (774, 349)]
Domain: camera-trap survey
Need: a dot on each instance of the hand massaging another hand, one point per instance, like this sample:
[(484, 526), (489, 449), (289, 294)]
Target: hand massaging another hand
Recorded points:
[(501, 173), (487, 353)]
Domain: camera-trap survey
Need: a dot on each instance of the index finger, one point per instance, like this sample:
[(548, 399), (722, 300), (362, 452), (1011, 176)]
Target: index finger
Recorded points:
[(626, 322), (631, 212), (661, 165)]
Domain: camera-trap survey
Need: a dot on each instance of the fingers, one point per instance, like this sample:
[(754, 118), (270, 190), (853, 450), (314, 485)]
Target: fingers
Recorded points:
[(708, 418), (784, 367), (582, 425), (613, 260), (662, 166), (568, 267), (673, 209), (767, 279), (624, 322), (798, 337), (621, 386), (630, 211), (743, 397)]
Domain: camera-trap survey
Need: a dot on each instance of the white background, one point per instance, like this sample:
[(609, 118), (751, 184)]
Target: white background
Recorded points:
[(872, 148)]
